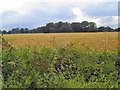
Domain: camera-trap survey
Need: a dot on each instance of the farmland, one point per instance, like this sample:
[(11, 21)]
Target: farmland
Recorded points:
[(62, 60), (98, 41)]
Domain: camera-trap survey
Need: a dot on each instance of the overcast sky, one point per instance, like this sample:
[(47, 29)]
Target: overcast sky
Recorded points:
[(35, 13)]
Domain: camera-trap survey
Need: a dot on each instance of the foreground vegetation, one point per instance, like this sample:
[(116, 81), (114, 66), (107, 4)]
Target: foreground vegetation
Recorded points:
[(58, 67)]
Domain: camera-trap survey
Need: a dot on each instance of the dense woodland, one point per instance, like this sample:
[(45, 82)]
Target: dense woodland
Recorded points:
[(62, 27)]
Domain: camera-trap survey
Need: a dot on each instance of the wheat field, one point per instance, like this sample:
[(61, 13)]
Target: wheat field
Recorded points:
[(98, 41)]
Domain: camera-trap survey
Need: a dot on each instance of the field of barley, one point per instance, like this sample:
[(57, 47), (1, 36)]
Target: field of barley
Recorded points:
[(60, 60), (98, 41)]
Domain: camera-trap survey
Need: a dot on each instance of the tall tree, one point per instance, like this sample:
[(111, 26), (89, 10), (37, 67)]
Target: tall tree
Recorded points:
[(66, 28), (76, 27), (4, 32)]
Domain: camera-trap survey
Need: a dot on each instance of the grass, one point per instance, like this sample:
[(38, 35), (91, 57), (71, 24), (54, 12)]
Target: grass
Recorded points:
[(59, 66)]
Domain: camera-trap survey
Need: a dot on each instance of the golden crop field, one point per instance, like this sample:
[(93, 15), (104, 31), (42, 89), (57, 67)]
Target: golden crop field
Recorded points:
[(98, 41)]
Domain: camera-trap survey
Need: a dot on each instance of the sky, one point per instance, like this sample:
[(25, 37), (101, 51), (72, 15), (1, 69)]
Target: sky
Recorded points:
[(36, 13)]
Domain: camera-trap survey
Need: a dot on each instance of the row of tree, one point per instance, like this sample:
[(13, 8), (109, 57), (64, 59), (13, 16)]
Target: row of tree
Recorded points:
[(62, 27)]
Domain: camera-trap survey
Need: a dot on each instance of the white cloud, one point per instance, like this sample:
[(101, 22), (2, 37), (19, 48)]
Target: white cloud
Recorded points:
[(82, 16), (20, 5), (27, 11), (115, 18), (76, 11), (23, 6), (100, 21)]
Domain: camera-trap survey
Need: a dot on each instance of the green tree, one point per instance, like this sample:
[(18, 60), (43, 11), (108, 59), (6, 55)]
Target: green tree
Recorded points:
[(76, 27), (4, 32), (66, 28)]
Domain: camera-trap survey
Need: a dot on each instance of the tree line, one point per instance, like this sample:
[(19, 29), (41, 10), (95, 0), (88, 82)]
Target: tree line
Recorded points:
[(63, 27)]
